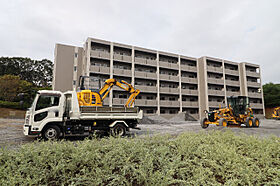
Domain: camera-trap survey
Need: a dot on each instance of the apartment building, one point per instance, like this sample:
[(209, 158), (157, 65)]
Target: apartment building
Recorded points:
[(169, 83)]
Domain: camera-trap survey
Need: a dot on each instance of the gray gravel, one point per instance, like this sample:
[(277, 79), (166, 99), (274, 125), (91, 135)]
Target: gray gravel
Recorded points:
[(11, 129)]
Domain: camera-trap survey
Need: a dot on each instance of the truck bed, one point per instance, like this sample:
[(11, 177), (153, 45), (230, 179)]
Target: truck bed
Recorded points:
[(89, 112)]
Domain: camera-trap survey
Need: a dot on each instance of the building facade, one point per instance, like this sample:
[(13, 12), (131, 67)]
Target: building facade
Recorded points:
[(169, 83)]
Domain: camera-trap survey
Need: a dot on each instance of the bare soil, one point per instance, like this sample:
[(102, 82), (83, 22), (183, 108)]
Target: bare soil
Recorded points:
[(11, 131)]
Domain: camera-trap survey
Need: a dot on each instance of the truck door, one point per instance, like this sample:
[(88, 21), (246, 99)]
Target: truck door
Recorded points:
[(47, 106)]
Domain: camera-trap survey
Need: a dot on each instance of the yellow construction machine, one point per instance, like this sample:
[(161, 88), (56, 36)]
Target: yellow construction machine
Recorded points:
[(92, 98), (237, 112), (276, 113)]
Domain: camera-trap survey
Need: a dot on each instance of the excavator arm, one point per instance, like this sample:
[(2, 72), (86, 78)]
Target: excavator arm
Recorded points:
[(96, 98)]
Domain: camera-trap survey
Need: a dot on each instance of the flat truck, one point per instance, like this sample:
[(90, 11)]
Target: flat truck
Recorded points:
[(54, 114)]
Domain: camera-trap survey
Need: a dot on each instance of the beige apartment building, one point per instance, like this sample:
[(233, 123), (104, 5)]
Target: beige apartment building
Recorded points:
[(169, 83)]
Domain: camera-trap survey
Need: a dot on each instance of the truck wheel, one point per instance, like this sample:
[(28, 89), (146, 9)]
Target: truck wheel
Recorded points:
[(118, 130), (249, 122), (256, 122), (202, 123), (51, 132), (223, 122)]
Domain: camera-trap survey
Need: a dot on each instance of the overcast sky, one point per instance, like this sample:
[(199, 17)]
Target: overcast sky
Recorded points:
[(237, 30)]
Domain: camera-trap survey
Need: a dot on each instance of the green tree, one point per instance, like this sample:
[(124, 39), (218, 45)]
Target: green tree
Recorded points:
[(37, 72), (271, 94), (11, 86)]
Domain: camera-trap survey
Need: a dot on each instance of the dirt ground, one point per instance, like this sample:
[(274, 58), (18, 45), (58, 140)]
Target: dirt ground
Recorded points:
[(11, 130)]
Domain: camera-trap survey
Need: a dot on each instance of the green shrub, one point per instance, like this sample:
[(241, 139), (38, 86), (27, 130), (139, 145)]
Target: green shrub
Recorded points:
[(189, 159), (14, 105)]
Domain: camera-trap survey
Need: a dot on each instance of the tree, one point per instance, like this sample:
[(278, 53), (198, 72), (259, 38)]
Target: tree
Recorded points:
[(271, 94), (11, 86), (37, 72)]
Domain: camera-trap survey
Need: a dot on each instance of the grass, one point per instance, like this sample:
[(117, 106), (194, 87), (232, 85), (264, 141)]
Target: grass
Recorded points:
[(188, 159)]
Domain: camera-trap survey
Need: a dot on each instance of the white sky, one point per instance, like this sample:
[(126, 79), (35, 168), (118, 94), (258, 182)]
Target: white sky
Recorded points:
[(237, 30)]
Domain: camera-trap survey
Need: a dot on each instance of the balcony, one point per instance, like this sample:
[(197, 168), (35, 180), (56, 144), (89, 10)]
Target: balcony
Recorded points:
[(145, 102), (99, 54), (189, 92), (190, 103), (216, 104), (147, 75), (168, 77), (216, 92), (144, 88), (188, 68), (106, 101), (232, 72), (253, 84), (144, 61), (215, 69), (255, 94), (189, 80), (232, 83), (119, 101), (256, 105), (231, 93), (168, 65), (125, 58), (253, 74), (169, 103), (122, 72), (168, 90), (216, 81), (99, 69)]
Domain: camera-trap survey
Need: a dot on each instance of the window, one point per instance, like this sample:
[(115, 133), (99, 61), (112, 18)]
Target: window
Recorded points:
[(74, 82), (75, 68), (76, 55), (46, 101)]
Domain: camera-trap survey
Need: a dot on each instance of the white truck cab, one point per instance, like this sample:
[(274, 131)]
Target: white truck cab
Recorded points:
[(54, 114)]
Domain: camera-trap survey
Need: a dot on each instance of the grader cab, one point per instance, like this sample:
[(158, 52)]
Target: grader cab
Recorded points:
[(236, 112)]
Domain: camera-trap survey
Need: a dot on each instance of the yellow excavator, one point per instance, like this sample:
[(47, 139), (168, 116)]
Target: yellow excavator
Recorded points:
[(237, 112), (276, 113), (95, 98)]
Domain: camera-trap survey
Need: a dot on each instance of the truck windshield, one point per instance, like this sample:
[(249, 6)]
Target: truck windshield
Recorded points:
[(45, 101)]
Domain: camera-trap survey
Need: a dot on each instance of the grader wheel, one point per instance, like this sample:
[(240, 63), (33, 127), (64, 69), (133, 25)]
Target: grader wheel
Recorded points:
[(256, 122), (223, 122), (202, 123), (249, 122)]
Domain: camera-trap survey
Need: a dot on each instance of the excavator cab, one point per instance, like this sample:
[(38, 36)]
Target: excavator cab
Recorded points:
[(239, 104)]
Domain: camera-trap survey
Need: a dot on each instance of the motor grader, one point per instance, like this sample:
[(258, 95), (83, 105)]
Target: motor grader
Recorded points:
[(236, 112), (276, 113)]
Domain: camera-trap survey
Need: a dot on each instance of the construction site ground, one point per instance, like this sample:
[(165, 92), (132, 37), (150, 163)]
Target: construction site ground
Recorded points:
[(11, 134)]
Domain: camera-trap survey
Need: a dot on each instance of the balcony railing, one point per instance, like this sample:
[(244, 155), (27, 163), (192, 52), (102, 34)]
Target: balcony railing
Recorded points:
[(147, 75), (253, 84), (232, 83), (98, 54), (188, 68), (119, 57), (256, 105), (232, 72), (144, 61), (216, 104), (169, 90), (252, 74), (144, 88), (169, 103), (190, 103), (189, 80), (99, 69), (231, 93), (145, 102), (168, 65), (255, 94), (216, 81), (215, 69), (168, 77), (122, 72), (216, 92), (189, 92)]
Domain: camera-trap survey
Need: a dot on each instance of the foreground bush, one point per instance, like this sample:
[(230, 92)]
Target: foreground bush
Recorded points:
[(196, 159)]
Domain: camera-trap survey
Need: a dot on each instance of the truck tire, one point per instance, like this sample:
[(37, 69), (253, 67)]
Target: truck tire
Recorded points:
[(256, 122), (223, 122), (51, 132), (249, 122), (202, 123), (118, 130)]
